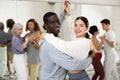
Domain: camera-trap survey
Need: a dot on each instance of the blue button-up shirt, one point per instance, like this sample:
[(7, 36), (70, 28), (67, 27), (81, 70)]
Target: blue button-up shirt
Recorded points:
[(55, 63)]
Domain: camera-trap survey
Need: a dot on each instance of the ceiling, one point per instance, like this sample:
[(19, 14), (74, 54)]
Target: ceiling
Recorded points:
[(99, 2)]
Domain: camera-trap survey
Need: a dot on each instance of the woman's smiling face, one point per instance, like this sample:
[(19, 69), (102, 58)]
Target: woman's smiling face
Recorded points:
[(80, 28)]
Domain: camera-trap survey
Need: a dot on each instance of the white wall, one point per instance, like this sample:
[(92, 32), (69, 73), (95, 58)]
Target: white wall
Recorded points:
[(116, 27), (96, 13), (100, 2), (21, 11), (7, 10)]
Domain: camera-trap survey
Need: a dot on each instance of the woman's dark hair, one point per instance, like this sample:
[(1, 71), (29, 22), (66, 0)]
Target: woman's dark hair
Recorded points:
[(85, 20), (46, 16), (36, 26), (1, 26), (87, 35), (105, 21), (10, 23), (93, 29)]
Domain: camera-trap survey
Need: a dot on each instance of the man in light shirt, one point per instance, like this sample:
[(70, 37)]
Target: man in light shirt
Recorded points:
[(109, 50)]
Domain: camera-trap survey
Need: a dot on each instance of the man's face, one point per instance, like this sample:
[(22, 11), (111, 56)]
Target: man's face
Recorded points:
[(105, 26), (53, 25)]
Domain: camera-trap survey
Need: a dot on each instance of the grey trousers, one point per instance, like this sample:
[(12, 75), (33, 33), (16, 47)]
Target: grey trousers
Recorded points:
[(79, 76)]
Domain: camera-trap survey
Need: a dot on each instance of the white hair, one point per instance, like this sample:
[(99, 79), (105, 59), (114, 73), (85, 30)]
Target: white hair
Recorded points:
[(16, 26)]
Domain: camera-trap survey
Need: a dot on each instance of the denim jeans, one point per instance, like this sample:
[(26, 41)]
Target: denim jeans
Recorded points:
[(79, 76)]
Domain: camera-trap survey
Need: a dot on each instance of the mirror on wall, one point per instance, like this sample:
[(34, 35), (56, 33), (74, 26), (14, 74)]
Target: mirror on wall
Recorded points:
[(21, 11)]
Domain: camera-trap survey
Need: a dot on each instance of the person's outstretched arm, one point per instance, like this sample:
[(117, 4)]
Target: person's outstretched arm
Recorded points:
[(65, 12)]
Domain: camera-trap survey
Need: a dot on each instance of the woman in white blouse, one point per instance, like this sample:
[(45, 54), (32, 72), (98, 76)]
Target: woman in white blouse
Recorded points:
[(78, 48)]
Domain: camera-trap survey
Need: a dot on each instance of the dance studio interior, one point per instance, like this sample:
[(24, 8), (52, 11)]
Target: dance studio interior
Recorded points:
[(94, 10)]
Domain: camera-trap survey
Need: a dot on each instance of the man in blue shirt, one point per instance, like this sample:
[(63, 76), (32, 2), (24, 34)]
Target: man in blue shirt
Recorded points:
[(55, 63)]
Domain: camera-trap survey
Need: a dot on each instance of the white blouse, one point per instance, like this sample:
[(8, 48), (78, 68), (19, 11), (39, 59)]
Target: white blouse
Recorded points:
[(78, 48)]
